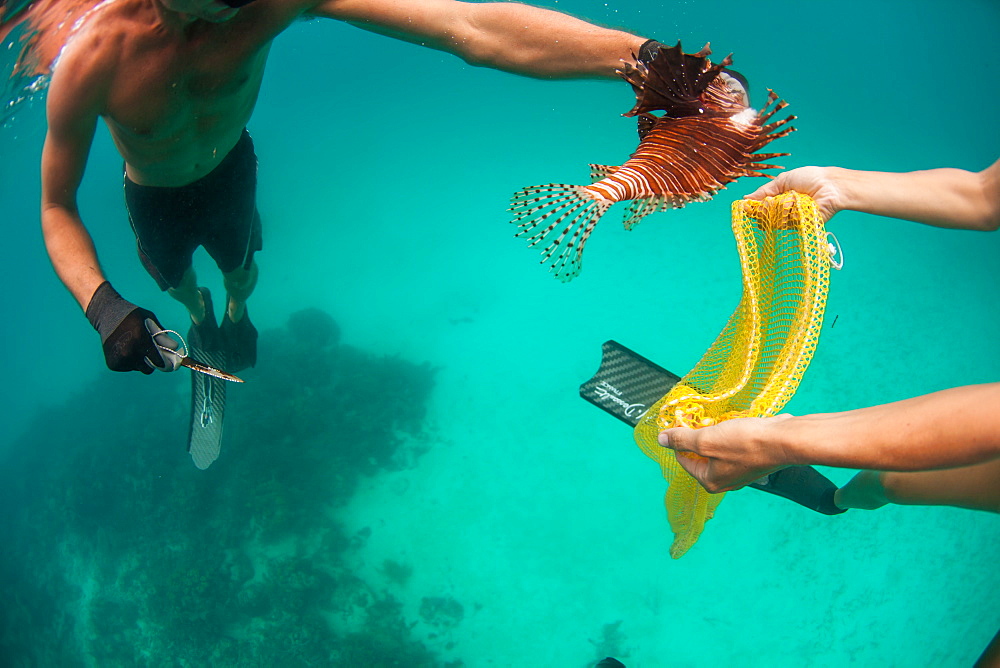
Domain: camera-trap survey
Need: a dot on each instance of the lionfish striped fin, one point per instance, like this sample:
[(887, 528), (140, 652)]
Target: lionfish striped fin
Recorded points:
[(751, 170), (639, 208), (770, 131), (598, 172), (573, 213), (772, 98)]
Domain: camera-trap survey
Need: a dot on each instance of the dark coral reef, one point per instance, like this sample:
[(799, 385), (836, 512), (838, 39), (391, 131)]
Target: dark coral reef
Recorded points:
[(117, 551)]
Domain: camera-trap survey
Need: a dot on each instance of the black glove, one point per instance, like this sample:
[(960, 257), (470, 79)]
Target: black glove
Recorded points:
[(128, 345), (648, 51)]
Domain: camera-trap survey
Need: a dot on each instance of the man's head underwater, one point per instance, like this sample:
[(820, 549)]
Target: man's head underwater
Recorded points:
[(213, 11)]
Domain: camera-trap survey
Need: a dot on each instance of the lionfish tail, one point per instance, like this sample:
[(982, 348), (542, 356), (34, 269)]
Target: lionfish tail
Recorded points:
[(564, 216)]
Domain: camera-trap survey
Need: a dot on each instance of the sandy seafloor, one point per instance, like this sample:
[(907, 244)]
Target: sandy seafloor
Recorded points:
[(385, 171)]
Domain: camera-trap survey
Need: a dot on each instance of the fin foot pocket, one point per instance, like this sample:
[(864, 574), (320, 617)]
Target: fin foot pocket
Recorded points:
[(240, 339), (805, 486)]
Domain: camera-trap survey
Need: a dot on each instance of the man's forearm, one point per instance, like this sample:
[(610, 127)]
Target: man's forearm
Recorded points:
[(951, 198), (518, 38), (945, 429), (539, 42), (72, 252)]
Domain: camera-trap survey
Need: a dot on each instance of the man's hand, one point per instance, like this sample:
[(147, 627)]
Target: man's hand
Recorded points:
[(818, 182), (127, 342), (729, 455)]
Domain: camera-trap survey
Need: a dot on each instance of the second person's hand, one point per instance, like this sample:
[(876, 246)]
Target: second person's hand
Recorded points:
[(820, 183), (728, 455)]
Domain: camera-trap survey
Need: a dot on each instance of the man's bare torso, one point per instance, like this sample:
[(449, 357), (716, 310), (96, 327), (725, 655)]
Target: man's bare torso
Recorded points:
[(177, 94)]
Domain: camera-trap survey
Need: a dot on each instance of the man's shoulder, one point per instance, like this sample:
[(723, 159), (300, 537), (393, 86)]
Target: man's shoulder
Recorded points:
[(91, 55), (84, 72)]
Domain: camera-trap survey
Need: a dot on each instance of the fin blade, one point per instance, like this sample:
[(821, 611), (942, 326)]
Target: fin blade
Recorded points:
[(626, 383)]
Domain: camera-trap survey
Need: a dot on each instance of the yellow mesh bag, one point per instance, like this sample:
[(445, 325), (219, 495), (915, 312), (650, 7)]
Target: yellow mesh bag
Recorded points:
[(755, 365)]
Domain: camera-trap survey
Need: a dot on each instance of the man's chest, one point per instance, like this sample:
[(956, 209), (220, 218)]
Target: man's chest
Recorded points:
[(160, 94)]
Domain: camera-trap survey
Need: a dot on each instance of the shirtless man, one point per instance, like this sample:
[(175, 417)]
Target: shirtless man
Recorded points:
[(176, 82)]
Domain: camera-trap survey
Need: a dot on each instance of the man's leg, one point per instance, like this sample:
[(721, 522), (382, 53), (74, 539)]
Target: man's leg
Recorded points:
[(974, 487), (864, 492), (187, 293), (238, 332), (240, 284)]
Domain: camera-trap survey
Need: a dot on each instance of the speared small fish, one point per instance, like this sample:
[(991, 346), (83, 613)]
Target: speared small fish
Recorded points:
[(706, 137), (174, 352), (208, 370)]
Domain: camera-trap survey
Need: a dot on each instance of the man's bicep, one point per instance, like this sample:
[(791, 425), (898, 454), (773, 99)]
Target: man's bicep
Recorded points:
[(434, 23), (71, 128)]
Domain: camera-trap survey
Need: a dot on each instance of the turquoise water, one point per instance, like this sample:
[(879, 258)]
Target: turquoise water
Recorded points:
[(454, 500)]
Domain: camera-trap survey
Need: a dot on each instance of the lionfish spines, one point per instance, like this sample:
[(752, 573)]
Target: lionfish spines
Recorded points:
[(768, 133), (774, 105), (673, 82)]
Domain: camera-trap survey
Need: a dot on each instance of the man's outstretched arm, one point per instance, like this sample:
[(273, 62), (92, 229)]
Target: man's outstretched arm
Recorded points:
[(953, 198), (513, 37), (955, 427)]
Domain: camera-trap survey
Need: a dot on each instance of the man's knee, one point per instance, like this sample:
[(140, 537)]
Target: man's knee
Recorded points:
[(894, 487), (186, 287), (241, 282)]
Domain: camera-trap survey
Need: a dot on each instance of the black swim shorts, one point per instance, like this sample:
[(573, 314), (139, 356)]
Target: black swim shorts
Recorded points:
[(218, 211)]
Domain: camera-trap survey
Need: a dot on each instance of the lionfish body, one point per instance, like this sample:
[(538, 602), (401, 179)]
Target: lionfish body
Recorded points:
[(707, 137)]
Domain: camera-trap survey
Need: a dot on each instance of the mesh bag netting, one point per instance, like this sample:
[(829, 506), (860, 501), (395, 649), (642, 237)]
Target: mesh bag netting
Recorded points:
[(756, 363)]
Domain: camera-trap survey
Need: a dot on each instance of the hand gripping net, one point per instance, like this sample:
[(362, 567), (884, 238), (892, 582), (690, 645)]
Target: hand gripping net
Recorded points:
[(755, 365)]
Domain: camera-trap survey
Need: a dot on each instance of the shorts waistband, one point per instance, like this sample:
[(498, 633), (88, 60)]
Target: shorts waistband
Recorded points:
[(236, 157)]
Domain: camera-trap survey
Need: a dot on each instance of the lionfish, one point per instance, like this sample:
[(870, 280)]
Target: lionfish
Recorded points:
[(706, 137)]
